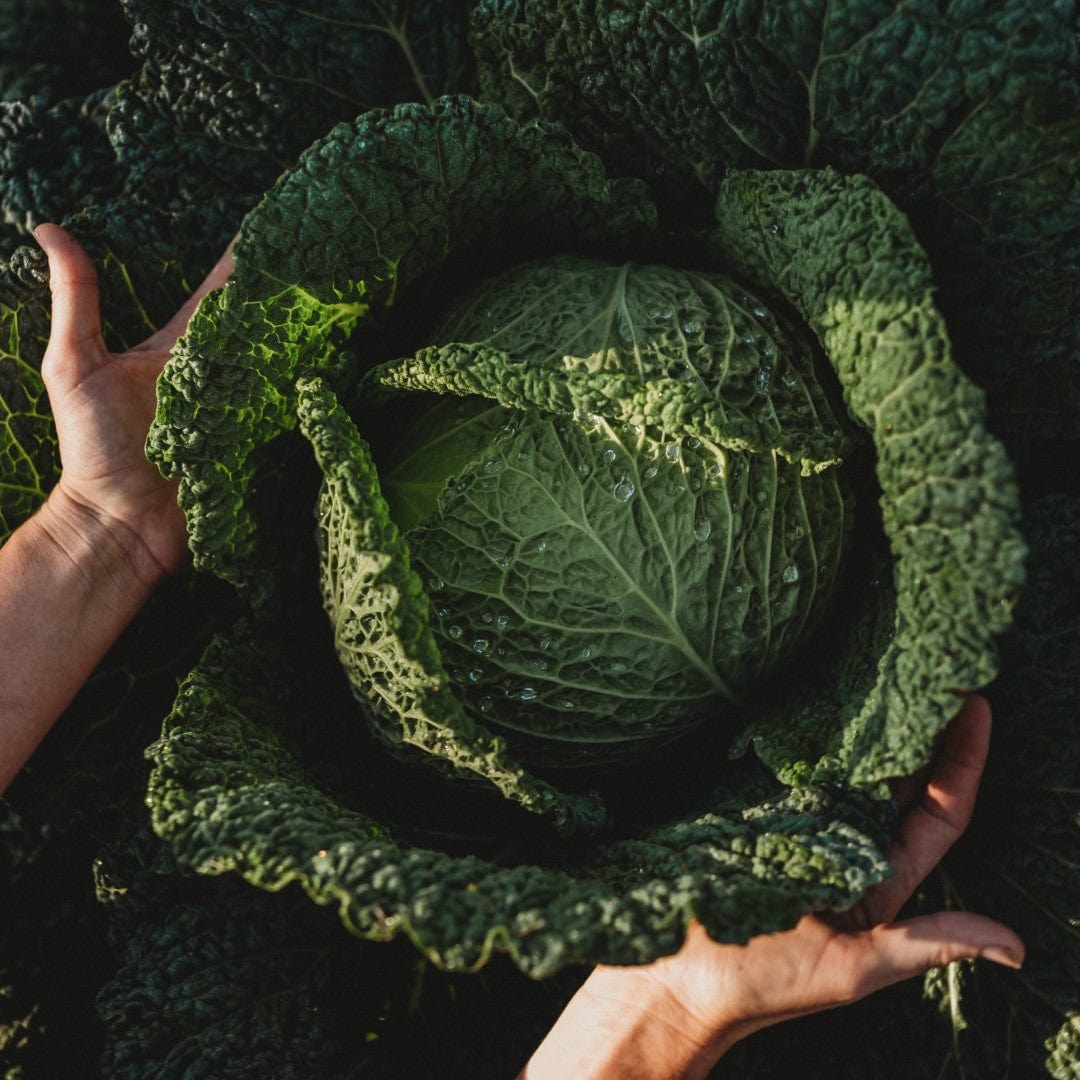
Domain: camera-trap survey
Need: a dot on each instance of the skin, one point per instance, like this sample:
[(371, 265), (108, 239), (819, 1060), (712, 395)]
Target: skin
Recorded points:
[(73, 576)]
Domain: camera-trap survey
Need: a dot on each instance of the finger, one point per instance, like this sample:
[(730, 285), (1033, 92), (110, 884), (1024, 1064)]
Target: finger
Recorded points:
[(76, 303), (219, 274), (933, 824), (902, 950)]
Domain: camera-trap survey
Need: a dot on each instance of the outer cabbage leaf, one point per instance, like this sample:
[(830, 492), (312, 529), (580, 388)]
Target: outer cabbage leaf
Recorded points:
[(54, 159), (949, 503), (29, 460), (228, 794), (217, 979), (967, 114), (380, 615), (368, 211)]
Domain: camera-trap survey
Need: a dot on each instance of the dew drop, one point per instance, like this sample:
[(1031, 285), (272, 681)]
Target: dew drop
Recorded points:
[(498, 555), (539, 663), (672, 451), (586, 653), (481, 644), (760, 312), (454, 632), (690, 328), (501, 622), (692, 443), (650, 472), (791, 574), (624, 490), (475, 675), (527, 694), (485, 704), (762, 383), (609, 455), (486, 616), (541, 547), (702, 529)]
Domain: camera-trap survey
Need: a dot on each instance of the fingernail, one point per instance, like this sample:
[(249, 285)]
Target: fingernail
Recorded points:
[(998, 954)]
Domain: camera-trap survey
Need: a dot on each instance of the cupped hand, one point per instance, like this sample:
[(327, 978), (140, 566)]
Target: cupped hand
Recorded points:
[(103, 404), (720, 993)]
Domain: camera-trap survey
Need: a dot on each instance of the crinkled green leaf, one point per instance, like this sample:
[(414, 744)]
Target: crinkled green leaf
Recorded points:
[(367, 211), (216, 979), (841, 253), (29, 456), (228, 795), (379, 613), (682, 354)]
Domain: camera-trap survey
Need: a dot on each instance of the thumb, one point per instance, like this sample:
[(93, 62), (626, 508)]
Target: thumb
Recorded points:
[(901, 950), (76, 317)]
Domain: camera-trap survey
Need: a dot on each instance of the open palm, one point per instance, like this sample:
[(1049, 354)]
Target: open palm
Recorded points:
[(832, 960), (103, 402)]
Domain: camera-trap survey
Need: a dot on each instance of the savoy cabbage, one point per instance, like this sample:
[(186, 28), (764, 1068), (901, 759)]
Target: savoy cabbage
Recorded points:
[(865, 191), (259, 359)]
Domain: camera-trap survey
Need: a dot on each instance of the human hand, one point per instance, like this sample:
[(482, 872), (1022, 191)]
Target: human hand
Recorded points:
[(677, 1016), (103, 404)]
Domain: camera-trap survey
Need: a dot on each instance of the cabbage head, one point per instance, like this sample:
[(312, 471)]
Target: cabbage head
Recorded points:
[(577, 492), (603, 578)]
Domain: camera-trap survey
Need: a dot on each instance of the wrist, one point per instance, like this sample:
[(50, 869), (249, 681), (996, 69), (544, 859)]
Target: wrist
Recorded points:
[(107, 549), (624, 1023), (681, 1042)]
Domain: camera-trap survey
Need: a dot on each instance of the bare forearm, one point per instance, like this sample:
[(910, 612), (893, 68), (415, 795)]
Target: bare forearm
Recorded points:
[(620, 1027), (70, 581)]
